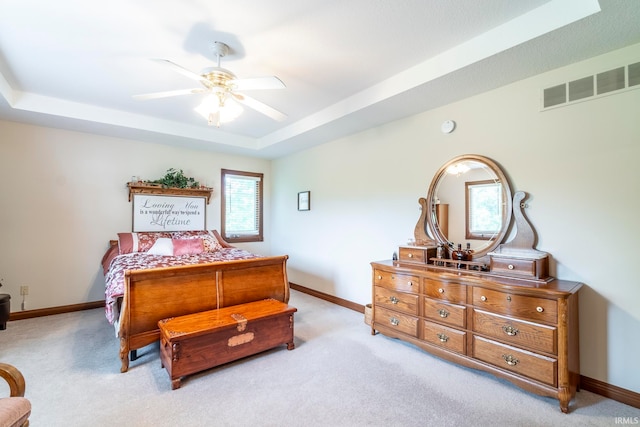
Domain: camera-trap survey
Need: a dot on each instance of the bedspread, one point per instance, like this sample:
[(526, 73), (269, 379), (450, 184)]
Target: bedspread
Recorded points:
[(114, 276)]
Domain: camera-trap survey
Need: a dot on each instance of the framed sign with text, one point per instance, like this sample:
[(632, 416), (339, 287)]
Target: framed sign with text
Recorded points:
[(304, 200), (168, 213)]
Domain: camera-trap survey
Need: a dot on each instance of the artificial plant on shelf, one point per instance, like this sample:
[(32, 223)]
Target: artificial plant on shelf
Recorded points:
[(176, 179)]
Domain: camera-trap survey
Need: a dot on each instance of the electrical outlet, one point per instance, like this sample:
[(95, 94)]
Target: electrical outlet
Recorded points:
[(24, 290)]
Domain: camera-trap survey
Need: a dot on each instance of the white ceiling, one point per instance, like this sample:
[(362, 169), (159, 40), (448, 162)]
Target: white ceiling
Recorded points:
[(348, 64)]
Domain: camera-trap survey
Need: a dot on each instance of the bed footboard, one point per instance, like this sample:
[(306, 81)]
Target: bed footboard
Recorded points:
[(155, 294)]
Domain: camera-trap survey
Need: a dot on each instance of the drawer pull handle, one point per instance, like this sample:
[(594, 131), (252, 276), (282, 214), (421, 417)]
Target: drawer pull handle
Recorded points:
[(510, 330), (394, 300), (441, 290), (443, 337), (510, 267), (410, 255), (443, 313), (394, 321), (410, 283), (483, 298), (379, 277), (509, 298), (511, 361), (539, 309)]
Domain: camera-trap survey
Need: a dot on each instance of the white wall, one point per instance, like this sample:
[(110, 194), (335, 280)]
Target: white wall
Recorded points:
[(64, 196), (579, 164)]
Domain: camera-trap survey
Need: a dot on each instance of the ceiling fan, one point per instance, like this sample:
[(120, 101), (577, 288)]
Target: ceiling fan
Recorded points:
[(222, 89)]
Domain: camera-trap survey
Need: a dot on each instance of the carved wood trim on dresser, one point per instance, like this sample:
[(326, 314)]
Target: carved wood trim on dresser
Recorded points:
[(525, 332)]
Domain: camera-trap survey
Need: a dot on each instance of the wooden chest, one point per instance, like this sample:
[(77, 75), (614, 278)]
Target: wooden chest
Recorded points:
[(195, 342)]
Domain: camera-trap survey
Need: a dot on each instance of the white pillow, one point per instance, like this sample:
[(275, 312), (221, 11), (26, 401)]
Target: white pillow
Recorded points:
[(162, 246)]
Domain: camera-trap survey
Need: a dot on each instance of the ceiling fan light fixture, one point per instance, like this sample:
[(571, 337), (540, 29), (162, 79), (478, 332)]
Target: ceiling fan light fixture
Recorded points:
[(458, 169), (223, 102), (218, 108)]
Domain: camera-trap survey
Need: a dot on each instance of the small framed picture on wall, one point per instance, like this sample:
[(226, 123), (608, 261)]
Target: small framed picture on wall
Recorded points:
[(304, 200)]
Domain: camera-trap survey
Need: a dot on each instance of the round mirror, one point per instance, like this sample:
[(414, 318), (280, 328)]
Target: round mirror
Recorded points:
[(469, 202)]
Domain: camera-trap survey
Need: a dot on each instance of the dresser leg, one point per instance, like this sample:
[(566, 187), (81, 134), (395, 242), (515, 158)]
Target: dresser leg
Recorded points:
[(564, 395)]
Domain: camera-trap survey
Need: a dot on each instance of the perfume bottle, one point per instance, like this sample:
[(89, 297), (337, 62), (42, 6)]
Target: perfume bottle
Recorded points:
[(458, 254), (439, 253), (468, 253)]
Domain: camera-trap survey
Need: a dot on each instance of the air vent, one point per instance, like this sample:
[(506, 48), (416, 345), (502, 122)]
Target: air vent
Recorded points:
[(579, 89), (634, 74), (592, 86), (555, 96), (610, 80)]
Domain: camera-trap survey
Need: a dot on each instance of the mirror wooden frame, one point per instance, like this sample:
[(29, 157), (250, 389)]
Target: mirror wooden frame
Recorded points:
[(431, 223)]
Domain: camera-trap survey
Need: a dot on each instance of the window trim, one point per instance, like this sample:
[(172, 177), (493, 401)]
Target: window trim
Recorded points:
[(470, 186), (259, 177)]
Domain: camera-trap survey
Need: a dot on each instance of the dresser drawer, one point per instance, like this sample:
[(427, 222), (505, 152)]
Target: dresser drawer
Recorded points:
[(454, 315), (399, 282), (525, 334), (407, 303), (416, 254), (442, 336), (537, 309), (523, 267), (452, 292), (535, 366), (393, 319)]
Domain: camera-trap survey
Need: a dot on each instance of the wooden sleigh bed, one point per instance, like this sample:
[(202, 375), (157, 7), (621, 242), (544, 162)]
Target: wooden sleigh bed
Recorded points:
[(139, 297)]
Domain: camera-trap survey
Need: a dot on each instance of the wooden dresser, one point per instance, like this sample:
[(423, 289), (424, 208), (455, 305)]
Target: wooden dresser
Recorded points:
[(492, 306), (520, 330)]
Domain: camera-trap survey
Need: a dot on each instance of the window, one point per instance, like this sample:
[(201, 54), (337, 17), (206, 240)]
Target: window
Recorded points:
[(484, 209), (241, 206)]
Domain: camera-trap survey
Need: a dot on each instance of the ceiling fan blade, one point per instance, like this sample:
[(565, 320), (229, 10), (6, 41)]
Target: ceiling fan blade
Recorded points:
[(180, 69), (168, 93), (259, 107), (258, 83)]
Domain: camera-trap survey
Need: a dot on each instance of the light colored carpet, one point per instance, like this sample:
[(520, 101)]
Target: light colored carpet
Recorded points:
[(338, 375)]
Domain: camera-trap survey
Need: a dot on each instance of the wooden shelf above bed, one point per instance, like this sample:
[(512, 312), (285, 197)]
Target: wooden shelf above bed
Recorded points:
[(141, 188)]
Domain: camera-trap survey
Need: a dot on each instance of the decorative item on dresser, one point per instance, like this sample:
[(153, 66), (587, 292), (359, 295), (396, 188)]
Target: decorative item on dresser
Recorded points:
[(496, 309)]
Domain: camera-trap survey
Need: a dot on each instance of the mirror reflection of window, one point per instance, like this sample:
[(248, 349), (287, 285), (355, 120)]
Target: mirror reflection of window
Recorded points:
[(483, 209)]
